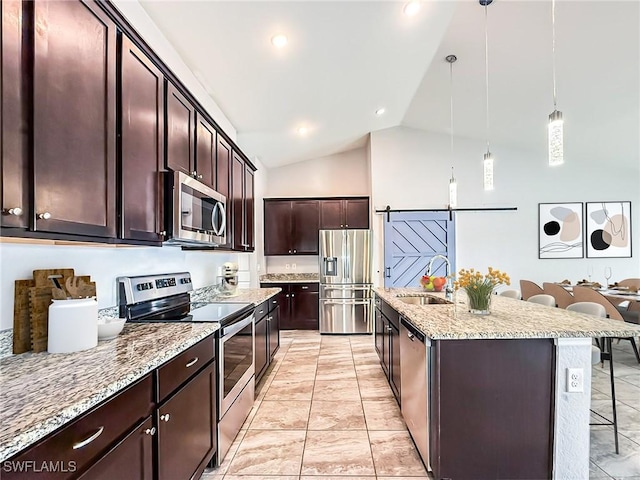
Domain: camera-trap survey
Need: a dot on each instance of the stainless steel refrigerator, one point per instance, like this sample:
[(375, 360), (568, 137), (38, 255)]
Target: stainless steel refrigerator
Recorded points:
[(345, 281)]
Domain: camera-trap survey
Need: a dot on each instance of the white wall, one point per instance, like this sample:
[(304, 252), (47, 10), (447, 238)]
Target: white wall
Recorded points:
[(410, 169), (334, 175), (257, 259), (104, 264)]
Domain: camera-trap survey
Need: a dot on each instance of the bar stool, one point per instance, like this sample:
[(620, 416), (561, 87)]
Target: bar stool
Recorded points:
[(598, 356), (543, 299)]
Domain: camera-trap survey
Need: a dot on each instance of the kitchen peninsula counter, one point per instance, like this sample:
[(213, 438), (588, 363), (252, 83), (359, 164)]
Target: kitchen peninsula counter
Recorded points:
[(244, 295), (509, 318), (290, 278)]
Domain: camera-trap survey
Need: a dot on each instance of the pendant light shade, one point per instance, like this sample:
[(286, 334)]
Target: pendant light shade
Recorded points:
[(556, 139), (453, 185), (556, 122), (487, 166)]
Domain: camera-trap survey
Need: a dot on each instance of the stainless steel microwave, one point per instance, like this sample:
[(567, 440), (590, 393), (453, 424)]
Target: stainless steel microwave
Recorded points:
[(196, 213)]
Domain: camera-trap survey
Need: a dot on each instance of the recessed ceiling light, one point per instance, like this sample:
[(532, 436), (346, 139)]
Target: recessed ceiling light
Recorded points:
[(279, 40), (380, 111), (411, 8), (302, 131)]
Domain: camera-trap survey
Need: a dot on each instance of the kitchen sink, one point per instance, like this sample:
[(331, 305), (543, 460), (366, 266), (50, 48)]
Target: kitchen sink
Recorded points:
[(423, 300)]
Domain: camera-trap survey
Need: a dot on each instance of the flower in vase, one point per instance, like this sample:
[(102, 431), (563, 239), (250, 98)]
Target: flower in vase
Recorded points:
[(479, 287)]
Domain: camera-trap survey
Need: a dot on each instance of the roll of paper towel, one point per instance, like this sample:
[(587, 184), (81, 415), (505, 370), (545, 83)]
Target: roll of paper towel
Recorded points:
[(73, 325)]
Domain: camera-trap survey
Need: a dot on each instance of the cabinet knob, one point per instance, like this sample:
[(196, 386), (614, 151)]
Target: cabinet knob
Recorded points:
[(295, 251), (44, 216), (150, 431), (287, 295), (347, 226), (341, 226), (165, 417), (194, 174), (293, 295), (17, 211), (289, 251), (274, 302), (199, 177)]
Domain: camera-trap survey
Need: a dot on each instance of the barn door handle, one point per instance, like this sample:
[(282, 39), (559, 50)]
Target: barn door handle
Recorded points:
[(388, 269)]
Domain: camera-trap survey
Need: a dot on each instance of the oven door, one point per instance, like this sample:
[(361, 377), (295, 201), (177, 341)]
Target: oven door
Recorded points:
[(235, 361), (199, 212)]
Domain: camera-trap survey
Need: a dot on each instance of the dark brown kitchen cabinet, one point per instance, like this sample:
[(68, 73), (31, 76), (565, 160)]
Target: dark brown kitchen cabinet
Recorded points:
[(186, 428), (274, 331), (131, 458), (142, 145), (298, 305), (223, 183), (387, 343), (14, 189), (267, 335), (261, 346), (206, 145), (242, 204), (180, 132), (344, 213), (291, 227), (74, 125)]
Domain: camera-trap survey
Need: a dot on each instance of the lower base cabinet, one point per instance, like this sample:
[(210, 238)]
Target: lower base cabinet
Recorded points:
[(186, 428), (267, 334), (132, 458), (299, 305), (387, 342)]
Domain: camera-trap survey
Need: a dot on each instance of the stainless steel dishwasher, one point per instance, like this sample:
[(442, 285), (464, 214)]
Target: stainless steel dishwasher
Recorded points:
[(414, 386)]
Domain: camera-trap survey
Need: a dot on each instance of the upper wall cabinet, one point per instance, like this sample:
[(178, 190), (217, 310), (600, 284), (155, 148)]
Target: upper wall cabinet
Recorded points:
[(242, 205), (142, 145), (13, 126), (206, 146), (74, 118), (180, 132), (291, 227), (344, 213), (223, 182)]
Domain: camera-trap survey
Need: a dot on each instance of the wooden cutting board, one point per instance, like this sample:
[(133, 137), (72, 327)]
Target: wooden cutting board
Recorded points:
[(21, 316), (41, 277), (39, 301)]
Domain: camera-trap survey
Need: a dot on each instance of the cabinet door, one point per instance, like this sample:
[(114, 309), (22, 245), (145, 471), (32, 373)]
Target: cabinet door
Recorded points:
[(132, 458), (331, 216), (237, 202), (394, 375), (386, 353), (304, 306), (74, 82), (274, 331), (261, 348), (206, 146), (142, 145), (186, 428), (223, 182), (356, 213), (277, 227), (305, 220), (380, 336), (180, 132), (249, 208), (283, 300), (13, 126)]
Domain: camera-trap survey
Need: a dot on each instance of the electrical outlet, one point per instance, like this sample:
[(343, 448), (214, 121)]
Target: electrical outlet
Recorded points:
[(287, 266), (293, 266), (575, 380)]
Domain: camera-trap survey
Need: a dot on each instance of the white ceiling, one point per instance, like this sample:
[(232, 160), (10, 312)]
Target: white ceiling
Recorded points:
[(346, 59)]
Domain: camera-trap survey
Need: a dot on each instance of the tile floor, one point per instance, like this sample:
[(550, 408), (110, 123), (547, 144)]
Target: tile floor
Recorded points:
[(324, 411)]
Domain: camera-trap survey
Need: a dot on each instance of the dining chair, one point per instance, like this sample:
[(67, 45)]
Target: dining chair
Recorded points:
[(630, 310), (630, 282), (543, 299), (562, 296), (599, 355), (529, 289), (587, 294), (512, 293)]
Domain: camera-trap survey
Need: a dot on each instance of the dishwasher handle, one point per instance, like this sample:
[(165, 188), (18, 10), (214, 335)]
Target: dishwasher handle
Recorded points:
[(413, 333)]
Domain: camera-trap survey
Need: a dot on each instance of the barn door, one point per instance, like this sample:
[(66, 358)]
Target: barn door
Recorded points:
[(410, 240)]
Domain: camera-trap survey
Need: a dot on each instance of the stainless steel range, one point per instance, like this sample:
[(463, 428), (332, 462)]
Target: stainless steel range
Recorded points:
[(166, 298)]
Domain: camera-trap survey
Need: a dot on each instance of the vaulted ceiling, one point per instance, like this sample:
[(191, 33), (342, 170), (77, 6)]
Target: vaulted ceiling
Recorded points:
[(345, 59)]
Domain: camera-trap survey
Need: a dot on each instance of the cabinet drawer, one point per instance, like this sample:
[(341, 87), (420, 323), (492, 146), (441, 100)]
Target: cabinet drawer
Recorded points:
[(79, 444), (263, 309), (178, 370), (304, 287)]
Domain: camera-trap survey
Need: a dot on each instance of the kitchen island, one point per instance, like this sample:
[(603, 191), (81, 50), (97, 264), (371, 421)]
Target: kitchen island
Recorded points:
[(497, 402)]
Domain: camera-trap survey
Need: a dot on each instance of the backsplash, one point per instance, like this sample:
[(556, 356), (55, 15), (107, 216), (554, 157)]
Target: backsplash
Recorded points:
[(292, 264)]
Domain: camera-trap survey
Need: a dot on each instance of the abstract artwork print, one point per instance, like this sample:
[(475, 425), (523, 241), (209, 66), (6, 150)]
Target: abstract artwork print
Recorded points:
[(608, 229), (560, 230)]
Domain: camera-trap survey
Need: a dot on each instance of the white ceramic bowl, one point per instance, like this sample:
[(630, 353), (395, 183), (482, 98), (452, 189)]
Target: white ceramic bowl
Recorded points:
[(109, 328)]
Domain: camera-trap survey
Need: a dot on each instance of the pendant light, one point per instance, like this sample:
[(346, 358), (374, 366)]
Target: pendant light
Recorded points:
[(556, 122), (453, 185), (487, 164)]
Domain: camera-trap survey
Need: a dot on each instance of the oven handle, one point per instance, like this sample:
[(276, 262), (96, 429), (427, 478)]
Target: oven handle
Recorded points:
[(236, 327)]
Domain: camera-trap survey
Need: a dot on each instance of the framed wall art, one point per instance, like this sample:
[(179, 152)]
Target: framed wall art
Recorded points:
[(560, 230), (608, 229)]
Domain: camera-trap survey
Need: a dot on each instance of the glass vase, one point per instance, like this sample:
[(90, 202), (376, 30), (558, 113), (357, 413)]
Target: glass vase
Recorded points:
[(479, 304)]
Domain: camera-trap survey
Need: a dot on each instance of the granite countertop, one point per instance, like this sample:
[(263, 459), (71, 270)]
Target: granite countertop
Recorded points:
[(289, 278), (40, 392), (245, 295), (510, 318)]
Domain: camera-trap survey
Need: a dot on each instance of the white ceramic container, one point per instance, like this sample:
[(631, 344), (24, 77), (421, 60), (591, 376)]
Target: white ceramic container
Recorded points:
[(73, 325)]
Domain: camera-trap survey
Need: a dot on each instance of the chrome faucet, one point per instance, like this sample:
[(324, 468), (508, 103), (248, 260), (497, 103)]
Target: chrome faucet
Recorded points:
[(449, 287)]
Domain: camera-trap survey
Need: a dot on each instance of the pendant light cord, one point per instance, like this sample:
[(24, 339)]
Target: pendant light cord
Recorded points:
[(451, 110), (553, 48), (486, 70)]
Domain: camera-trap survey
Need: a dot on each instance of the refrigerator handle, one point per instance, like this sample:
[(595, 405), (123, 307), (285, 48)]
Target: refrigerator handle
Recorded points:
[(347, 266)]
